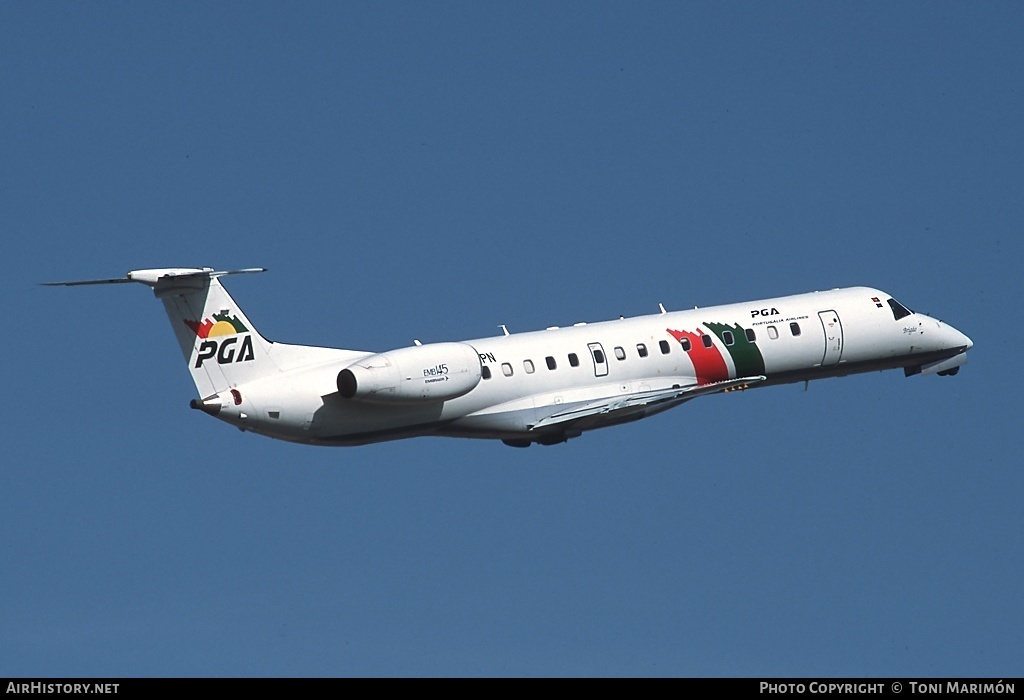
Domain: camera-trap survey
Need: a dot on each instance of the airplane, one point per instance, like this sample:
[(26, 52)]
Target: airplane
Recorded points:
[(542, 386)]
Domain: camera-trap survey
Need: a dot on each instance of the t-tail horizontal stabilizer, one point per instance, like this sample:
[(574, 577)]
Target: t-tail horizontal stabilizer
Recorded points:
[(159, 277)]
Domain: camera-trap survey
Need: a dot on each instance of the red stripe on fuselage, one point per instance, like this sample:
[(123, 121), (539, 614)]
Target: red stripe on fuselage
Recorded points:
[(708, 363)]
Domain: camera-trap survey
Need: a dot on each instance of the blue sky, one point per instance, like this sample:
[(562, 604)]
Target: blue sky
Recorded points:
[(432, 170)]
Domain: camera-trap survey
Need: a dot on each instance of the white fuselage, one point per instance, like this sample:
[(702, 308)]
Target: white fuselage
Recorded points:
[(547, 386)]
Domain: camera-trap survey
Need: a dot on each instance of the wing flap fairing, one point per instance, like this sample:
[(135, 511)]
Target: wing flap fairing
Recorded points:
[(645, 400)]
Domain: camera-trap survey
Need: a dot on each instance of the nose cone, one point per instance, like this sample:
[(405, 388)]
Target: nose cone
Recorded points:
[(953, 339), (969, 342)]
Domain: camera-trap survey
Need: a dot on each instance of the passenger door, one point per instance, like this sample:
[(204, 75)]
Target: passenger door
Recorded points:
[(833, 329)]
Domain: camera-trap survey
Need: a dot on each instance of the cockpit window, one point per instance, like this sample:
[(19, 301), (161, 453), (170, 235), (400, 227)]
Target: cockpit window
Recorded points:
[(898, 309)]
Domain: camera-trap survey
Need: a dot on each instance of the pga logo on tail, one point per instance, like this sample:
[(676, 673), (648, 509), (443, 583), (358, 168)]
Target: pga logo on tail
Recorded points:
[(222, 326)]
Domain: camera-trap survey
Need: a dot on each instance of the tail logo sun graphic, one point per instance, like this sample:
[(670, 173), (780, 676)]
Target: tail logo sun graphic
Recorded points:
[(219, 337)]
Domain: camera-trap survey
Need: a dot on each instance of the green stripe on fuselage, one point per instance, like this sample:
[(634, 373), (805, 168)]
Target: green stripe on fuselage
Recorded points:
[(745, 354)]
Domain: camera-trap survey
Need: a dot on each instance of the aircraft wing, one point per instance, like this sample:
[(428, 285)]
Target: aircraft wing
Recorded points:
[(642, 402)]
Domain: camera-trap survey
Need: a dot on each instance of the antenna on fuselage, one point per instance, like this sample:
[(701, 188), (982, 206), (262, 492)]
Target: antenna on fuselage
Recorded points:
[(504, 329), (662, 307)]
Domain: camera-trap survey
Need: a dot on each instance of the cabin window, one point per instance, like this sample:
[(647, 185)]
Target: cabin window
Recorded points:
[(485, 372), (573, 360), (728, 337), (528, 366), (641, 350), (620, 354), (706, 339), (663, 344), (794, 328), (685, 342), (751, 336), (551, 362), (506, 369), (773, 333), (598, 356), (898, 310)]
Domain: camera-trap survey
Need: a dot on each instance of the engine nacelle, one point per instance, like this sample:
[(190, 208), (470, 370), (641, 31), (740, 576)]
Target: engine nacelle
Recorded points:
[(434, 372)]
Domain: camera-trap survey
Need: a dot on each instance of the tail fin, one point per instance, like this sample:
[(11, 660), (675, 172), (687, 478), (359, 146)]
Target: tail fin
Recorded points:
[(220, 344)]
